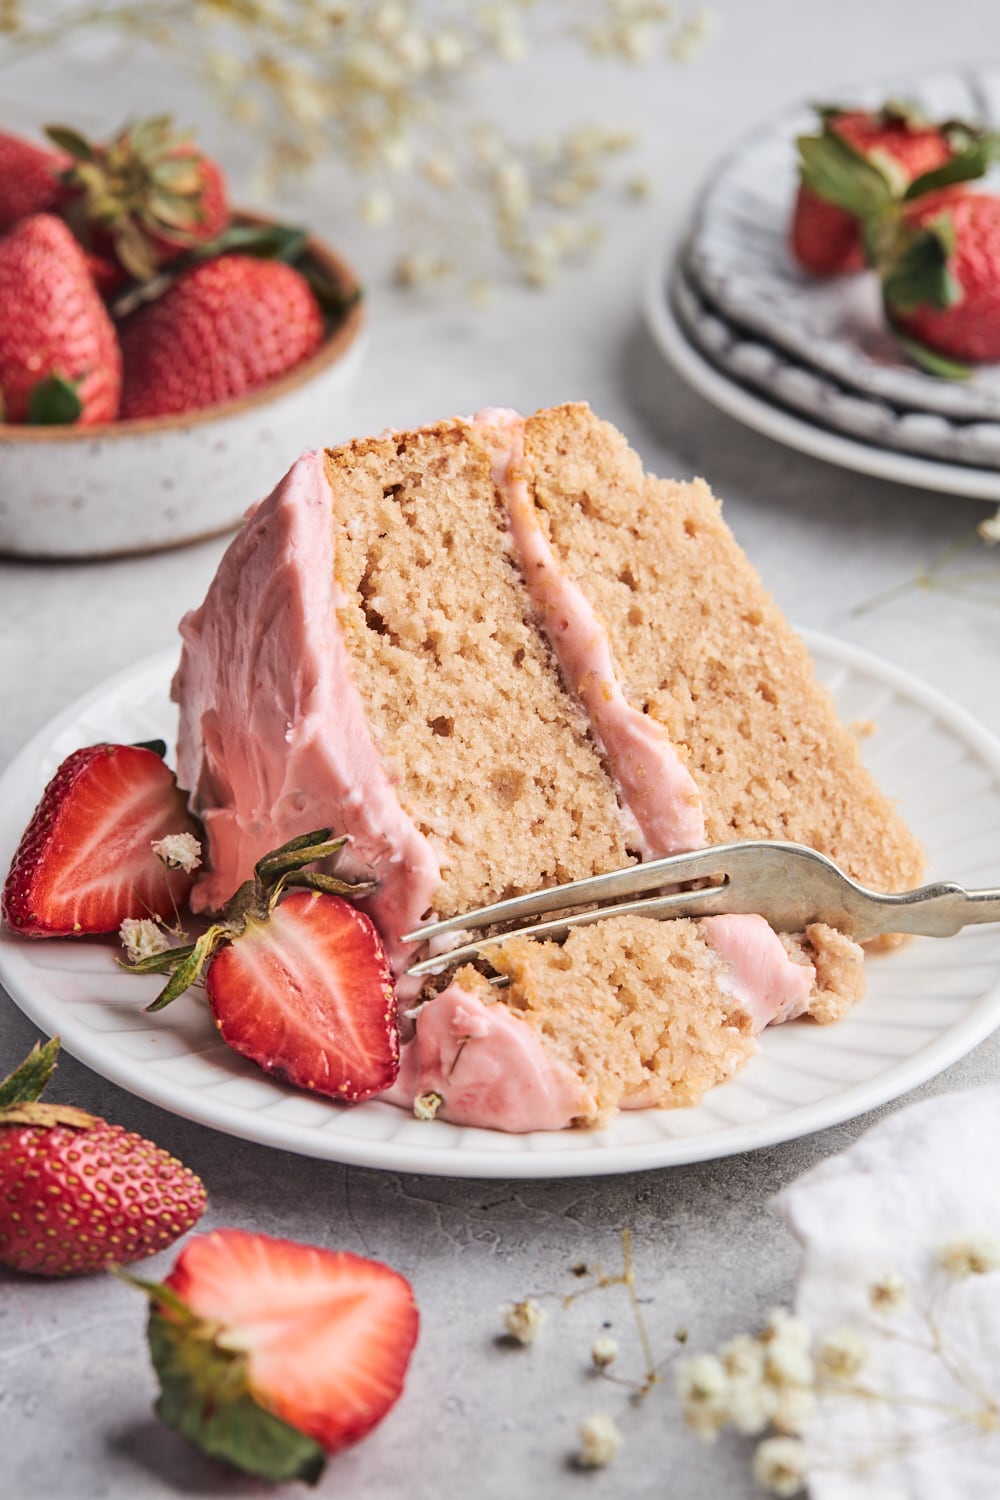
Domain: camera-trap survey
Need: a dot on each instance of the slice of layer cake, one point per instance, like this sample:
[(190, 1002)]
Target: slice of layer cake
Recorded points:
[(499, 656)]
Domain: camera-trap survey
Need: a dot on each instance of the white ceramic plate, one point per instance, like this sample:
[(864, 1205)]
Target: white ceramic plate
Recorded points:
[(738, 255), (756, 364), (786, 427), (928, 1003)]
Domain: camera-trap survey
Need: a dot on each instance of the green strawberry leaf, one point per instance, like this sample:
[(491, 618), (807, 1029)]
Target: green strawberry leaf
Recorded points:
[(158, 747), (71, 141), (974, 160), (835, 172), (54, 402), (26, 1083), (205, 1394), (928, 360), (919, 274), (333, 300), (265, 241)]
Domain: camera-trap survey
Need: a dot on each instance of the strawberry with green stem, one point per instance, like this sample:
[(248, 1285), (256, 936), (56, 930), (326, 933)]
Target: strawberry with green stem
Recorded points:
[(864, 162), (141, 199), (272, 1354), (78, 1194), (940, 272), (296, 976)]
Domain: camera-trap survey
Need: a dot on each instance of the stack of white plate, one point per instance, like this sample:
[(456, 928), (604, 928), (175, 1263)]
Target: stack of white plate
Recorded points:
[(809, 361)]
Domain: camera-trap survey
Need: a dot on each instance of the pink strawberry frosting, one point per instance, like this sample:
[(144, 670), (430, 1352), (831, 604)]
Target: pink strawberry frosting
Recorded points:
[(488, 1066), (757, 969), (271, 616)]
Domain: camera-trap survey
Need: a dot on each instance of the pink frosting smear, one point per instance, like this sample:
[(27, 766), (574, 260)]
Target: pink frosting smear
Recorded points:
[(656, 788), (758, 972), (488, 1066), (274, 739)]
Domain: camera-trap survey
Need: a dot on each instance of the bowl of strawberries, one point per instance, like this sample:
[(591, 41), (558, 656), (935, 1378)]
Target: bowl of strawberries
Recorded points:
[(161, 354)]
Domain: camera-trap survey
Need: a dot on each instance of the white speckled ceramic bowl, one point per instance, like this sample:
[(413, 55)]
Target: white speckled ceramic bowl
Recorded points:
[(119, 487)]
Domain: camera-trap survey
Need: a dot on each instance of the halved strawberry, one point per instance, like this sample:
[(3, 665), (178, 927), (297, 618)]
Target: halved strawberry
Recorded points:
[(308, 995), (298, 982), (85, 862), (271, 1353)]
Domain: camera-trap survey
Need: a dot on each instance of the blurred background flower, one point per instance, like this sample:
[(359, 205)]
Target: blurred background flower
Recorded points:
[(393, 91)]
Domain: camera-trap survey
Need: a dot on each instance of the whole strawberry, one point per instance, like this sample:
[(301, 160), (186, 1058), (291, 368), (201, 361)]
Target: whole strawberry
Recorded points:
[(898, 144), (78, 1194), (29, 179), (226, 327), (941, 280), (86, 860), (56, 338), (272, 1354), (297, 979), (141, 199)]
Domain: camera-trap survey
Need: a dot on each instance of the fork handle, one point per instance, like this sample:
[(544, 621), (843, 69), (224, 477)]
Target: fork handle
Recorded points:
[(938, 910)]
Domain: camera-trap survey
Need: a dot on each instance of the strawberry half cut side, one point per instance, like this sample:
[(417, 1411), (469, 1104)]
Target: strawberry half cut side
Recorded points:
[(272, 1354), (85, 862), (297, 977), (308, 996)]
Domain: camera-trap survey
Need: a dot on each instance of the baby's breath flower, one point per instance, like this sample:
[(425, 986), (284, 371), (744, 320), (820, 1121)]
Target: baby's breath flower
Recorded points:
[(743, 1358), (447, 49), (603, 1353), (376, 208), (989, 529), (784, 1325), (600, 1440), (793, 1408), (426, 1106), (889, 1293), (841, 1354), (786, 1362), (779, 1466), (703, 1387), (523, 1320), (639, 185), (178, 851), (974, 1255), (141, 938), (750, 1404)]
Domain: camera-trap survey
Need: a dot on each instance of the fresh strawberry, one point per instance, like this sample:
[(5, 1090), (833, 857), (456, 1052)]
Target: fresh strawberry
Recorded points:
[(272, 1354), (144, 197), (78, 1194), (85, 862), (54, 328), (941, 280), (29, 179), (901, 147), (222, 329), (298, 983)]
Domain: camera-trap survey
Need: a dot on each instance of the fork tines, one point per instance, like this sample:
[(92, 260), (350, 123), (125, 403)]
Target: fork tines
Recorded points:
[(613, 888)]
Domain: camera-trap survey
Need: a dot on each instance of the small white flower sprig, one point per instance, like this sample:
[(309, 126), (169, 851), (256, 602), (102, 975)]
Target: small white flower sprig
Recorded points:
[(389, 89), (963, 568), (600, 1435), (144, 937), (779, 1378)]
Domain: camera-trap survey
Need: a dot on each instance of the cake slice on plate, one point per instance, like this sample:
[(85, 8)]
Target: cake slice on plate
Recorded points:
[(499, 656)]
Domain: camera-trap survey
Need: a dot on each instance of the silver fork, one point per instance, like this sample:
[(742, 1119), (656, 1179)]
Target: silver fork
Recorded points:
[(788, 884)]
